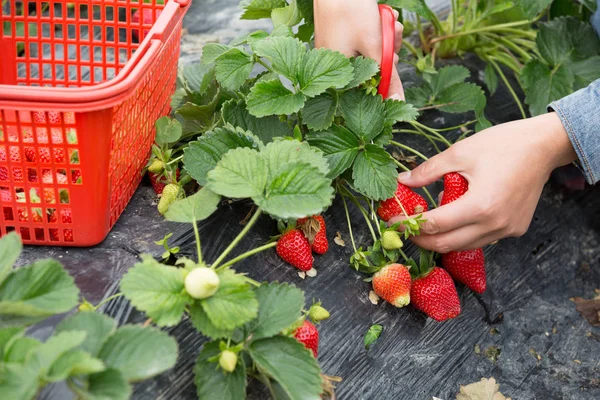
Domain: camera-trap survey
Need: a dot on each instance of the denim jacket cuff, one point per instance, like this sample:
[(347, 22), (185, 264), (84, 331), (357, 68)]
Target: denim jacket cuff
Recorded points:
[(580, 115)]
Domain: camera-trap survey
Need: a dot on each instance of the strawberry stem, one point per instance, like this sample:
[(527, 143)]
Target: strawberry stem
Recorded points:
[(408, 148), (246, 255), (429, 196), (175, 160), (348, 219), (114, 296), (361, 209), (420, 126), (432, 139), (238, 238), (508, 85), (198, 246)]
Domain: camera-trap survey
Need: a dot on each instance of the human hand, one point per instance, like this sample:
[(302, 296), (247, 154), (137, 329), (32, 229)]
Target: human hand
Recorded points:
[(354, 28), (506, 167)]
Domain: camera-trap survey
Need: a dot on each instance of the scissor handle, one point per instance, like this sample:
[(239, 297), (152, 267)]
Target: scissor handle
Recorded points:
[(388, 25)]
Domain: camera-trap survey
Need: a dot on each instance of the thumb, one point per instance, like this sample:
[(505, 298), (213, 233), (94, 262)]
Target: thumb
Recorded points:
[(396, 90), (428, 172)]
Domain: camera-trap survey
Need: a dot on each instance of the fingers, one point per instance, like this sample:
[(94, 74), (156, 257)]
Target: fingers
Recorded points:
[(396, 89), (430, 171), (398, 39), (466, 238)]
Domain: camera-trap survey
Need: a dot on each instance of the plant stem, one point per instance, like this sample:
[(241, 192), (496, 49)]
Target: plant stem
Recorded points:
[(175, 160), (349, 224), (405, 147), (452, 128), (436, 106), (492, 28), (238, 238), (410, 47), (261, 62), (247, 254), (429, 196), (114, 296), (424, 44), (510, 88), (198, 247), (251, 281), (403, 254), (362, 211), (433, 131)]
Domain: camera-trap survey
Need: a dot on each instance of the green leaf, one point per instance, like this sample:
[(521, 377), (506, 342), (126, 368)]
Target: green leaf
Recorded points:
[(374, 173), (198, 77), (364, 114), (10, 250), (33, 293), (491, 79), (282, 30), (544, 86), (45, 355), (399, 111), (297, 190), (168, 130), (267, 128), (287, 16), (97, 326), (257, 9), (284, 53), (586, 71), (305, 32), (109, 384), (17, 382), (272, 98), (233, 68), (7, 336), (19, 349), (204, 325), (566, 39), (233, 304), (74, 362), (418, 96), (307, 11), (322, 69), (532, 8), (212, 383), (462, 97), (249, 38), (212, 51), (279, 306), (290, 364), (447, 77), (340, 147), (157, 290), (372, 335), (319, 112), (417, 6), (202, 156), (364, 69), (197, 207), (139, 353), (240, 173), (280, 153)]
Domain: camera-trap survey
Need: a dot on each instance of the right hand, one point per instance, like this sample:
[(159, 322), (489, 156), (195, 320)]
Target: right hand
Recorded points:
[(354, 28)]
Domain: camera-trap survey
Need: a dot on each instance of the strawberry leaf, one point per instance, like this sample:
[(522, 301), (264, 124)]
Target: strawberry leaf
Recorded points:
[(197, 77), (168, 130), (10, 250), (212, 51), (279, 306), (463, 97), (98, 327), (278, 154), (447, 77), (202, 156), (197, 207), (416, 6), (74, 363), (491, 79), (364, 69), (139, 352), (204, 325), (18, 351), (233, 68), (233, 304), (531, 8), (267, 128), (322, 69), (374, 173), (212, 383), (544, 86), (340, 146), (257, 9), (319, 112), (45, 355), (284, 53), (399, 111), (364, 114), (272, 98), (307, 10), (287, 16), (109, 384), (586, 71), (32, 293), (566, 39), (18, 381), (7, 336), (290, 364), (418, 96), (372, 335), (157, 290), (240, 173)]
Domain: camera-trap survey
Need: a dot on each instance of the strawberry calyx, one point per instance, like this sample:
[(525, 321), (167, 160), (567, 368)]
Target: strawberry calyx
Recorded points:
[(310, 226), (426, 264)]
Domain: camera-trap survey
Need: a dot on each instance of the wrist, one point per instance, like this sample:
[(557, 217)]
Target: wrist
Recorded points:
[(560, 147)]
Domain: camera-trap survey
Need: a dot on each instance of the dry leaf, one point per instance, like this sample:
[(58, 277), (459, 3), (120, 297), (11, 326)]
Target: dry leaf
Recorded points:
[(310, 227), (589, 309), (311, 273), (477, 349), (486, 389), (492, 352), (338, 240), (302, 274), (373, 297)]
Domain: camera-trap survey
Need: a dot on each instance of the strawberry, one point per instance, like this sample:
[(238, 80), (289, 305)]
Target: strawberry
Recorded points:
[(68, 235), (392, 283), (294, 248), (170, 194), (66, 216), (316, 232), (435, 295), (3, 174), (467, 267), (49, 197), (390, 240), (455, 185), (76, 177), (32, 175), (148, 20), (54, 236), (39, 117), (308, 335), (18, 174), (412, 202), (159, 181), (29, 154)]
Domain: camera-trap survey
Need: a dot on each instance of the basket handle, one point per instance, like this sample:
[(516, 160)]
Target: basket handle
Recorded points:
[(388, 26)]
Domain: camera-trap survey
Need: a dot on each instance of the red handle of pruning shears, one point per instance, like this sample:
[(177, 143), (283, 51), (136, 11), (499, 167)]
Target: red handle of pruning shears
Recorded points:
[(388, 25)]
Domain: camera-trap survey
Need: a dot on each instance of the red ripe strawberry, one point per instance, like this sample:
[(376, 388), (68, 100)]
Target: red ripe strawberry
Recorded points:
[(159, 181), (76, 177), (39, 117), (22, 215), (15, 156), (5, 195), (49, 197), (37, 216), (69, 117), (308, 335), (68, 235), (54, 117), (57, 136), (66, 216), (32, 175), (3, 174), (18, 174), (29, 154), (54, 236), (293, 247), (412, 202), (435, 295), (467, 267), (25, 235), (59, 156), (392, 283), (52, 217), (316, 232), (455, 185)]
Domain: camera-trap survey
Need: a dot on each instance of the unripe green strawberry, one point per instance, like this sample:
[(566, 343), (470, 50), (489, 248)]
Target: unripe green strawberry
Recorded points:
[(202, 283), (228, 360), (156, 167), (390, 240), (318, 313), (392, 283), (86, 306), (170, 194)]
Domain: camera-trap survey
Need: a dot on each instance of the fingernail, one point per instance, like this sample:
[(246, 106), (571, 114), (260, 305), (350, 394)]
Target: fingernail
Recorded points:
[(404, 176), (396, 97)]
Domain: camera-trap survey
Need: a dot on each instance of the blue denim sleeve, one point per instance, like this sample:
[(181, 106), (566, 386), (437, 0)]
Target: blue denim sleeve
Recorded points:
[(580, 115)]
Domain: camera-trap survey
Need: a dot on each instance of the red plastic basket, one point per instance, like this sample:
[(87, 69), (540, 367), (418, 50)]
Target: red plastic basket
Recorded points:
[(81, 84)]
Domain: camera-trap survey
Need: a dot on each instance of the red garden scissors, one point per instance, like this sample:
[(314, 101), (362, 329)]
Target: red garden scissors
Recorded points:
[(388, 25)]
